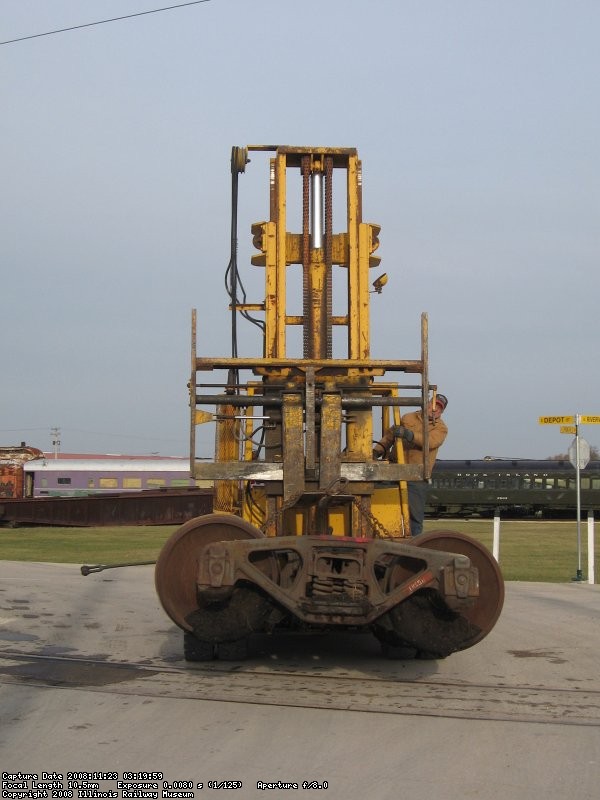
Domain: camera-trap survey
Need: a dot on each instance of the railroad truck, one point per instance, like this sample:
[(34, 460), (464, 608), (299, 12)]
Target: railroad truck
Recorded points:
[(309, 530)]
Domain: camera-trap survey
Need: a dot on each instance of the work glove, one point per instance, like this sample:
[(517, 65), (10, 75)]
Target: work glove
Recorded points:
[(378, 451), (400, 432)]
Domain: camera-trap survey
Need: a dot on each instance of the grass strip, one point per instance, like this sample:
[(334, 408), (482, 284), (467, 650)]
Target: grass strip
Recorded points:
[(529, 550)]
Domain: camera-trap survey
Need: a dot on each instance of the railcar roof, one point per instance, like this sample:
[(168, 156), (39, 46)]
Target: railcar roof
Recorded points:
[(108, 465), (105, 456), (499, 464)]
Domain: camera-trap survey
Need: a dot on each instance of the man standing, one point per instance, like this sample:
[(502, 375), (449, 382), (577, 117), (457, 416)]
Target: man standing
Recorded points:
[(410, 431)]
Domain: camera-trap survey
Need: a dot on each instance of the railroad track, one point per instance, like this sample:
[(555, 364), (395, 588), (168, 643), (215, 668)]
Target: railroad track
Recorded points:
[(289, 687)]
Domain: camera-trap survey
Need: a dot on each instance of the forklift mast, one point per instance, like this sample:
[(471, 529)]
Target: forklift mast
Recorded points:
[(320, 410)]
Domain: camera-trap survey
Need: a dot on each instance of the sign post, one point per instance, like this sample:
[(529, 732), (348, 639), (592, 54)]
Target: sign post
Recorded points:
[(579, 456)]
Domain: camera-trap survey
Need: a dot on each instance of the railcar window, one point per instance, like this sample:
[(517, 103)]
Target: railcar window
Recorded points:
[(180, 482), (561, 483), (595, 483), (538, 482), (132, 483), (108, 483), (64, 481), (91, 483), (44, 483), (154, 483)]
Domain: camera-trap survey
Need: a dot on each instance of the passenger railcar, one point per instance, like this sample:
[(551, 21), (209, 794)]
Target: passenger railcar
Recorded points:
[(519, 488), (61, 477)]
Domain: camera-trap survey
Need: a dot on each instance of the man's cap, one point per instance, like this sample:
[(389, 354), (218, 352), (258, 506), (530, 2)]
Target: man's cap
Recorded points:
[(442, 400)]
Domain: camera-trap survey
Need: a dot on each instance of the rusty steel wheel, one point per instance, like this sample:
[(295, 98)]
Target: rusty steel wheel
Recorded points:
[(486, 610), (177, 566)]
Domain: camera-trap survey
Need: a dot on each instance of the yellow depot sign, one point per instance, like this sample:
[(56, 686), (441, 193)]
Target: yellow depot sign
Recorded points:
[(572, 429), (557, 420), (589, 420)]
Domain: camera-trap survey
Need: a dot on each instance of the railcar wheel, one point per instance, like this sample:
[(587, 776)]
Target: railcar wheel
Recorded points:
[(218, 618), (484, 614), (424, 622)]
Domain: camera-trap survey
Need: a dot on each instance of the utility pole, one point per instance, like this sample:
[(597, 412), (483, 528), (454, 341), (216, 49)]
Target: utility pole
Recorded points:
[(55, 433)]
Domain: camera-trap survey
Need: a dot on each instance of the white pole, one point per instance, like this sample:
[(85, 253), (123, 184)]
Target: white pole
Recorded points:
[(591, 547), (579, 576), (496, 541)]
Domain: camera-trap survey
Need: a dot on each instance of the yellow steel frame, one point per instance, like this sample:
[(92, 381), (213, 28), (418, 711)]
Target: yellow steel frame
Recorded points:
[(332, 377)]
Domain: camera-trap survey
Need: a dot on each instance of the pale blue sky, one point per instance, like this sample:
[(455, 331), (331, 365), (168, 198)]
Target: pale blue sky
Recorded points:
[(477, 122)]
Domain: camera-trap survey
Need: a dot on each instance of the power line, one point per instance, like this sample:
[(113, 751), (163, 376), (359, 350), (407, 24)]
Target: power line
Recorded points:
[(96, 433), (18, 430), (125, 435), (103, 21)]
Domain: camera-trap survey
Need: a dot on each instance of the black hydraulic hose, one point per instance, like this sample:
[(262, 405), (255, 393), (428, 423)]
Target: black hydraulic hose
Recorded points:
[(233, 282), (233, 271)]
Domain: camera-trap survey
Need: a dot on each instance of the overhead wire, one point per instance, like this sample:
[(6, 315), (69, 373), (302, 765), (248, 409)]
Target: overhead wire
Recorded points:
[(96, 433), (104, 21)]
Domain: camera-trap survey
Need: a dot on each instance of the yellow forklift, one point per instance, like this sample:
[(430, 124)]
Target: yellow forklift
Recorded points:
[(309, 530)]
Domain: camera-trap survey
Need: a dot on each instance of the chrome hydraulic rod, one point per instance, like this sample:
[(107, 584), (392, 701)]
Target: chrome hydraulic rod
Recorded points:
[(316, 210)]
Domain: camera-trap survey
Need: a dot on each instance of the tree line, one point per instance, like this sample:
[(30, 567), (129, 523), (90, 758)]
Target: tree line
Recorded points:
[(594, 455)]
